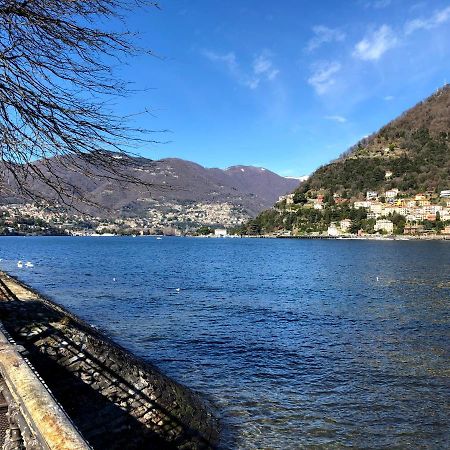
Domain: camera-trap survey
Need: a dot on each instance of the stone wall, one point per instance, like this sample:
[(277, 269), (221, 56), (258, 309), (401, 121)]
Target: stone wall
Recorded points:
[(114, 398)]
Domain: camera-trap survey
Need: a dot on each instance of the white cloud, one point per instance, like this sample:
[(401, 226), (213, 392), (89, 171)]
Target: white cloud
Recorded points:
[(339, 119), (228, 59), (372, 47), (322, 77), (438, 18), (388, 98), (324, 35), (251, 83), (262, 68)]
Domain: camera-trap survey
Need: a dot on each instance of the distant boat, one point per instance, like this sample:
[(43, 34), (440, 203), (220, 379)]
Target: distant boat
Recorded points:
[(19, 264), (159, 238), (29, 264)]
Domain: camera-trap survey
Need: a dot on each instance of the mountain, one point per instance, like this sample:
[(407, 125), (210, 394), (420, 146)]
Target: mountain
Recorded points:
[(411, 153), (166, 183), (408, 156)]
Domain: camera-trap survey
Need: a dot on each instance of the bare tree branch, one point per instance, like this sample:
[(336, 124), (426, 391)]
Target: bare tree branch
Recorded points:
[(56, 77)]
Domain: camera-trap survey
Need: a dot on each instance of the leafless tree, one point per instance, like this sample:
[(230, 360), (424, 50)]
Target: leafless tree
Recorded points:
[(56, 77)]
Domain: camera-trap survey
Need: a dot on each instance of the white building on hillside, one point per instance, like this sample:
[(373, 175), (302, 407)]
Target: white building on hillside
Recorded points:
[(391, 194), (363, 204), (376, 207), (384, 225), (288, 197)]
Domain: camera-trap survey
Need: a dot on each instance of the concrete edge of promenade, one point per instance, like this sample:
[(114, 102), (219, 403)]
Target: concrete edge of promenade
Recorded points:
[(44, 417)]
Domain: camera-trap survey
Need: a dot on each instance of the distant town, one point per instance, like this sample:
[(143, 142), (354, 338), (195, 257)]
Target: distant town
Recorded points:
[(176, 219)]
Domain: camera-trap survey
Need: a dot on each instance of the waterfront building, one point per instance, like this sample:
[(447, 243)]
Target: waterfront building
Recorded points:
[(384, 225), (445, 194), (333, 230), (220, 232), (413, 229)]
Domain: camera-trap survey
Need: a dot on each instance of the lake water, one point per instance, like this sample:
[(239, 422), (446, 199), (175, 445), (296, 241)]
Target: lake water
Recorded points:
[(297, 343)]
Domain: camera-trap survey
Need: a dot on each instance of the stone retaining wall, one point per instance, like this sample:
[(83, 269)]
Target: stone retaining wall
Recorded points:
[(115, 399)]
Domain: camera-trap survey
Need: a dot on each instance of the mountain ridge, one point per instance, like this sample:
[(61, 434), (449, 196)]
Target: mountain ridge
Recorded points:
[(167, 182), (410, 146)]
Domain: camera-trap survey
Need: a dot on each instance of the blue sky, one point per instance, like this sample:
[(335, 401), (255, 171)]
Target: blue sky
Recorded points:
[(286, 85)]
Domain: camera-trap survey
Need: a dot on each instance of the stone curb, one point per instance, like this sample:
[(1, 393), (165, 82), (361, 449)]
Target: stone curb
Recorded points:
[(39, 409)]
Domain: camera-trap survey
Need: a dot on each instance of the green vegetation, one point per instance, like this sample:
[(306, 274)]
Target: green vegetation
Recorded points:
[(204, 231), (423, 164), (411, 154)]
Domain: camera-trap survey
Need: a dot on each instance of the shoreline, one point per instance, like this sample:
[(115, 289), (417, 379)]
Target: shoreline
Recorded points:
[(431, 237), (373, 238)]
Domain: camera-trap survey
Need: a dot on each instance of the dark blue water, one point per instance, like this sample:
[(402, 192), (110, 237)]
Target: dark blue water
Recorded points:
[(317, 344)]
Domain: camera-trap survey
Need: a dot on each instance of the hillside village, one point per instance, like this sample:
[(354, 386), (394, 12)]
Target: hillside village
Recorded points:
[(393, 182), (389, 212), (171, 219)]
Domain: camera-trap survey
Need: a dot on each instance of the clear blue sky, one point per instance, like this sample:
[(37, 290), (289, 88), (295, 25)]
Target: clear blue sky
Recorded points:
[(287, 85)]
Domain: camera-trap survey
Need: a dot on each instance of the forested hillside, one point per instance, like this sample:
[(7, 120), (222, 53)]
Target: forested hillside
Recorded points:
[(414, 148), (406, 157)]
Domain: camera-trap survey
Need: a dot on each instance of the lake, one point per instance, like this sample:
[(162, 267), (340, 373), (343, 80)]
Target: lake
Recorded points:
[(296, 343)]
